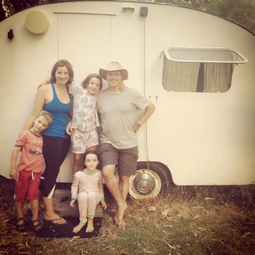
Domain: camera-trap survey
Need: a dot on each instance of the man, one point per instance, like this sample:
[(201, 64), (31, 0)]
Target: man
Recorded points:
[(118, 108)]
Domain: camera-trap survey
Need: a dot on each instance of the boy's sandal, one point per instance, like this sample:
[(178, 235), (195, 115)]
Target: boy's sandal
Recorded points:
[(21, 224), (37, 225)]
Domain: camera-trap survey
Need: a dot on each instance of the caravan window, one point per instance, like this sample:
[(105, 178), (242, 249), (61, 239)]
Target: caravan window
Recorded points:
[(199, 69)]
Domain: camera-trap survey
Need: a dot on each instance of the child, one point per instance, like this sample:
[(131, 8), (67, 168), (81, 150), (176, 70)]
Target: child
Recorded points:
[(87, 188), (84, 120), (29, 169)]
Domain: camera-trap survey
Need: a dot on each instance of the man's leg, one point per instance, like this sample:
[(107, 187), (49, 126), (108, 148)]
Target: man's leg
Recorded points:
[(112, 184), (124, 186)]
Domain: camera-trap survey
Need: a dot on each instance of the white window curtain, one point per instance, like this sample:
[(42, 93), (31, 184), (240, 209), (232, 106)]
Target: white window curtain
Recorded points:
[(218, 77), (183, 76), (180, 76)]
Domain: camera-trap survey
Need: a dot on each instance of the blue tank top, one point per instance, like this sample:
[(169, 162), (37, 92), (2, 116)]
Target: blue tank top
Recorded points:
[(59, 112)]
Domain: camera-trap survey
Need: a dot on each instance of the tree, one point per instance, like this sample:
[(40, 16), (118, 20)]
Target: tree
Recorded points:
[(240, 12), (13, 6)]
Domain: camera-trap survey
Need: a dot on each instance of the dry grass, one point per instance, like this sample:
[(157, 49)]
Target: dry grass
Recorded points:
[(188, 220)]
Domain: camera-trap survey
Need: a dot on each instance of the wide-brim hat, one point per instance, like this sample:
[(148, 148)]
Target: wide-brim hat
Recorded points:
[(111, 67)]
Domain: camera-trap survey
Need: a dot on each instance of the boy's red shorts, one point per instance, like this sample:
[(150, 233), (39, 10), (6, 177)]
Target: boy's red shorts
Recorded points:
[(26, 186)]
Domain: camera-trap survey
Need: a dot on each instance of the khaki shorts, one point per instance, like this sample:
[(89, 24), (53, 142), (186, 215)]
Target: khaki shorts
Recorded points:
[(81, 140), (124, 159)]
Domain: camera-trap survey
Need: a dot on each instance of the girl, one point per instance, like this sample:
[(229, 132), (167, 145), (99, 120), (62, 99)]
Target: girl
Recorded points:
[(87, 188), (85, 120)]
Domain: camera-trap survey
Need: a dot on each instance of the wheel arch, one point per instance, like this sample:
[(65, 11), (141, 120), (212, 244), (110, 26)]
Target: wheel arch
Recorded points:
[(154, 164), (151, 179)]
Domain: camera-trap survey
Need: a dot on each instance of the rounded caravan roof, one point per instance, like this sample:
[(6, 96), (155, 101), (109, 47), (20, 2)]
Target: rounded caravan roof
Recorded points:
[(203, 8)]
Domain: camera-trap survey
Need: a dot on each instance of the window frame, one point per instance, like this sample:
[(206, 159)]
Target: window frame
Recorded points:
[(200, 70)]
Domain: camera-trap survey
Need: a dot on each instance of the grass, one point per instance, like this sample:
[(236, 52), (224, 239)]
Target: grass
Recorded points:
[(186, 221)]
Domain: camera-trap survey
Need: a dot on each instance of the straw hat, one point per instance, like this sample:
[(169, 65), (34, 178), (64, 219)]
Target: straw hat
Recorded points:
[(113, 66)]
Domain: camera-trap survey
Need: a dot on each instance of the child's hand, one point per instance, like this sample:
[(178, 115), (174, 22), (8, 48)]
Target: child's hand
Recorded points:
[(73, 203), (103, 204), (13, 173), (69, 129), (43, 83)]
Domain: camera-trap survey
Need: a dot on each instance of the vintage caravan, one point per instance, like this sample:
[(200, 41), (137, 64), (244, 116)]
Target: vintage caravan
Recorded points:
[(198, 69)]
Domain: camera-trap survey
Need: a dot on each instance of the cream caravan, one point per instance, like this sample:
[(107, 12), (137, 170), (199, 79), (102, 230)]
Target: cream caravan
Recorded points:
[(198, 69)]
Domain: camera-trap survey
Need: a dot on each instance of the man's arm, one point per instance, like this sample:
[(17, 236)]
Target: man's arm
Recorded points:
[(146, 115)]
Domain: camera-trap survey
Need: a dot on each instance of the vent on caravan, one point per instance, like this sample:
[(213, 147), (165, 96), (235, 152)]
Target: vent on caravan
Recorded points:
[(199, 69)]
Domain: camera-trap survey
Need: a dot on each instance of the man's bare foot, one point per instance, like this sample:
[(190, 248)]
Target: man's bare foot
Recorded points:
[(79, 227), (119, 221), (122, 224), (90, 226)]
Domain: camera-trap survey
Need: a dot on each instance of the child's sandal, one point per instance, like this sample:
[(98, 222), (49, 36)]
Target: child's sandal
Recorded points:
[(21, 224), (37, 225)]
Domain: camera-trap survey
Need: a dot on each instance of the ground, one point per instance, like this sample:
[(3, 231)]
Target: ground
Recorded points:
[(186, 220)]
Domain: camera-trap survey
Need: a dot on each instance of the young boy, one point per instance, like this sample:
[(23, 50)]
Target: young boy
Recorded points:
[(29, 169)]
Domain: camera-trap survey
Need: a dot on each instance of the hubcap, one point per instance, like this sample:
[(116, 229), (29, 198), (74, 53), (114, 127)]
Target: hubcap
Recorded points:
[(144, 184)]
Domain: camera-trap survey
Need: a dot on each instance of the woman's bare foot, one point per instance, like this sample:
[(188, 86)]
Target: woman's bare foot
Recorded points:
[(90, 226), (79, 227)]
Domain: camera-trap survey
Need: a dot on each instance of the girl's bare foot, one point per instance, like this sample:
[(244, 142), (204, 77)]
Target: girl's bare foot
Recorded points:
[(90, 226), (79, 227)]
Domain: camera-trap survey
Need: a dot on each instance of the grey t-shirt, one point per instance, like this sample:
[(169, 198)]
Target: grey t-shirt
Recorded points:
[(117, 113)]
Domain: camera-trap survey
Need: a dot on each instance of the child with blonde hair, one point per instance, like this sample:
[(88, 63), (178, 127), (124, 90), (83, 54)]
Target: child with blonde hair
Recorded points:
[(28, 171)]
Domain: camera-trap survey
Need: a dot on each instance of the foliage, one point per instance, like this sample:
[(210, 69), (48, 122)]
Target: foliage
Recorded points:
[(240, 12), (12, 6)]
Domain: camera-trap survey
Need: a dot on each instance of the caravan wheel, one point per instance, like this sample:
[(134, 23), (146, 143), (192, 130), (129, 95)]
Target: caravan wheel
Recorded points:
[(149, 180)]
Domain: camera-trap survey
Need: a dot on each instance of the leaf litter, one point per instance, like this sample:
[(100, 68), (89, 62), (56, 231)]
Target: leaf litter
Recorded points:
[(189, 220)]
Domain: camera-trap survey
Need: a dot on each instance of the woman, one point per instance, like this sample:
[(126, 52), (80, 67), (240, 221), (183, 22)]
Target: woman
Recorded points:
[(54, 98)]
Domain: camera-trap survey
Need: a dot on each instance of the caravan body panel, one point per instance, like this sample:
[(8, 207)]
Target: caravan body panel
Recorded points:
[(203, 138)]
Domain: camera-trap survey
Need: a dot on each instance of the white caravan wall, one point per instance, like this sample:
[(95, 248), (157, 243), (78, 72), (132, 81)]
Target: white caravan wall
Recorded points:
[(202, 138)]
